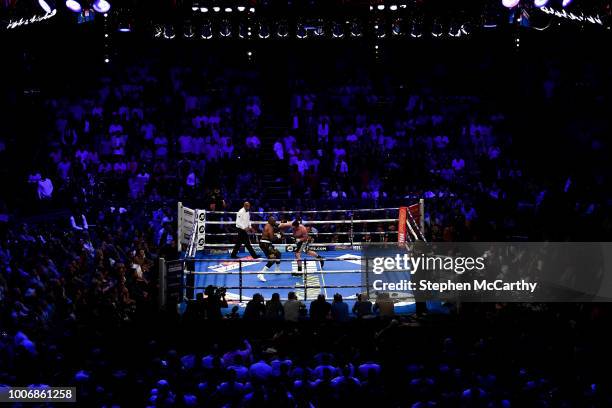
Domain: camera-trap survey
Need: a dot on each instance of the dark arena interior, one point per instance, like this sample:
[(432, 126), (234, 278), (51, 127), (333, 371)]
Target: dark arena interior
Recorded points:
[(306, 203)]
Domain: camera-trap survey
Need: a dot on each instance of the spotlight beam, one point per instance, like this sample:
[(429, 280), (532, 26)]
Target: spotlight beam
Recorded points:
[(45, 6), (74, 6), (101, 6), (510, 3)]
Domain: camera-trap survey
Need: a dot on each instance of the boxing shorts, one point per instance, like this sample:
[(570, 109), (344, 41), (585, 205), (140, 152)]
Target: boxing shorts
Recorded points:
[(302, 246), (268, 248)]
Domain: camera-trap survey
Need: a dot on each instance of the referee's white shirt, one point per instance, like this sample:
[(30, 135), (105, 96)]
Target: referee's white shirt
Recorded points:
[(243, 219)]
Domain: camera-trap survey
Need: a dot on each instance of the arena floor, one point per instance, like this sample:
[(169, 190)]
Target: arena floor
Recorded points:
[(328, 281)]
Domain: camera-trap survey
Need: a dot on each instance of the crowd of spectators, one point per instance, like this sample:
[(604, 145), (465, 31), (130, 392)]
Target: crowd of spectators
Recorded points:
[(140, 134), (510, 357), (155, 134), (115, 159), (208, 306)]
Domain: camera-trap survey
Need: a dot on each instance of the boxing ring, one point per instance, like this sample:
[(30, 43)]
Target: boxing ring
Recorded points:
[(207, 238), (239, 277)]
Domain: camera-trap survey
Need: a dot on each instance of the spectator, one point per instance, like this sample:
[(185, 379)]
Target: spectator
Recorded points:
[(325, 366), (214, 302), (279, 150), (63, 168), (45, 188), (302, 165), (384, 305), (339, 309), (274, 308), (320, 309), (260, 371), (347, 386), (293, 308), (362, 307), (255, 309), (78, 221), (253, 142), (323, 130), (458, 164)]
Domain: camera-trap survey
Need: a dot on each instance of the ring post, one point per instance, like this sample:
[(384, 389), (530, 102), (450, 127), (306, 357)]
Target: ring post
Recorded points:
[(422, 215), (367, 279), (305, 278), (352, 231), (184, 280), (179, 220), (240, 280), (162, 283)]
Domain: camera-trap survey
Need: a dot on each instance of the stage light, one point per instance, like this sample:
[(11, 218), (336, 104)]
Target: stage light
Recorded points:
[(188, 31), (356, 30), (243, 30), (124, 25), (455, 30), (45, 6), (381, 7), (206, 31), (228, 9), (252, 10), (319, 30), (510, 3), (282, 29), (337, 30), (216, 9), (566, 3), (194, 8), (225, 29), (73, 5), (204, 9), (169, 33), (264, 31), (106, 60), (396, 27), (415, 30), (157, 31), (301, 31), (540, 3), (437, 30), (101, 6), (393, 8), (241, 8)]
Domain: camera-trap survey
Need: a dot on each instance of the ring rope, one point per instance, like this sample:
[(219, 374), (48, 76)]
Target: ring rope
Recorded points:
[(297, 288), (422, 235), (229, 245), (332, 272), (234, 260), (309, 211), (416, 238), (309, 222), (220, 234)]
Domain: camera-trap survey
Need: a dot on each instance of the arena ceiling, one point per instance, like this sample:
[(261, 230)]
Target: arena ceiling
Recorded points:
[(304, 19)]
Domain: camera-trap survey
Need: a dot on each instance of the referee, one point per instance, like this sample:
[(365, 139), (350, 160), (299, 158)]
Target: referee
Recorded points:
[(243, 225)]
